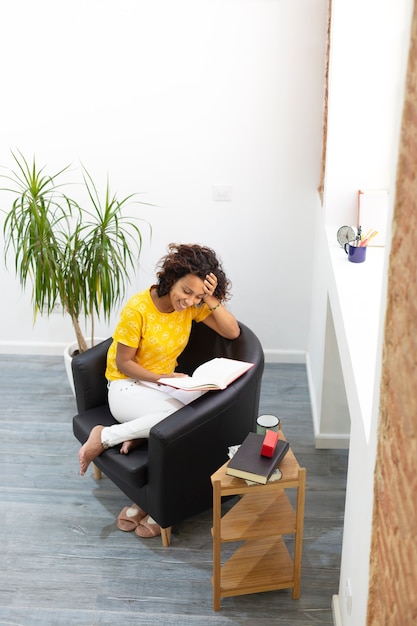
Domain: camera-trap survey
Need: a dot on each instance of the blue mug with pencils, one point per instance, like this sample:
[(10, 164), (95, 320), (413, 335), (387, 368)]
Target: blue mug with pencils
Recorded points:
[(356, 253), (356, 250)]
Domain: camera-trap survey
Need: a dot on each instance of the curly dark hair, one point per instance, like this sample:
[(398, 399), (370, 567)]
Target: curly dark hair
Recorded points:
[(183, 259)]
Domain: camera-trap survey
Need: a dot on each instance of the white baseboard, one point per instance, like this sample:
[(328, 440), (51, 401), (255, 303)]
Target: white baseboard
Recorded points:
[(337, 617), (327, 441), (285, 356), (40, 348)]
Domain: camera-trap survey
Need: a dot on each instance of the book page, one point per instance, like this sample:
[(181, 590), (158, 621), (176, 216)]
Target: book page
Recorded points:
[(215, 374), (220, 371), (188, 383)]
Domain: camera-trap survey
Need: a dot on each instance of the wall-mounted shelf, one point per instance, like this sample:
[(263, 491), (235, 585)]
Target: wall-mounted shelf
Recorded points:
[(355, 295)]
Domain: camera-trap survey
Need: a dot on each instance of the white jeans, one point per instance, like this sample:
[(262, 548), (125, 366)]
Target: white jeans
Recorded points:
[(138, 406)]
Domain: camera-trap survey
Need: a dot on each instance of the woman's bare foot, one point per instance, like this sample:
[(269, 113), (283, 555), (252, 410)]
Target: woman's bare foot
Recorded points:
[(127, 446), (92, 448)]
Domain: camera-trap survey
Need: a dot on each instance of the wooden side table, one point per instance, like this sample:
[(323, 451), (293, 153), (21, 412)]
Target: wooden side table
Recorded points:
[(259, 519)]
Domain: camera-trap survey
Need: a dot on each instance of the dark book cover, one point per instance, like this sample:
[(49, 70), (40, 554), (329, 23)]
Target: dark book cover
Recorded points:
[(248, 463)]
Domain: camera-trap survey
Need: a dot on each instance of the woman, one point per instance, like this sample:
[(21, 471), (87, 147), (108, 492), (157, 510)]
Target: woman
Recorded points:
[(153, 330)]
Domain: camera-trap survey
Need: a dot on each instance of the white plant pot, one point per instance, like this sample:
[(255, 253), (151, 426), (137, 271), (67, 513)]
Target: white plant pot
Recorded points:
[(69, 352)]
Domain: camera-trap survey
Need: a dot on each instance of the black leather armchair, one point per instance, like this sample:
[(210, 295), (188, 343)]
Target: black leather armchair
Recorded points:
[(169, 475)]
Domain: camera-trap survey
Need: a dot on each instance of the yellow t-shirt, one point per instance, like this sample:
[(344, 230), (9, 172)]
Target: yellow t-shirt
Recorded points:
[(159, 337)]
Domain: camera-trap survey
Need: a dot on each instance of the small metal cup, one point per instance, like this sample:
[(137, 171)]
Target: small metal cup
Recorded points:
[(267, 422)]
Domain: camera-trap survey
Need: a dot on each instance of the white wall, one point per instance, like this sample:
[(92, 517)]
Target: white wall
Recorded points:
[(368, 61), (171, 98), (369, 38)]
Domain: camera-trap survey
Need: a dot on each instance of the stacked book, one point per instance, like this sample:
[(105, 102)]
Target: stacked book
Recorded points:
[(248, 463)]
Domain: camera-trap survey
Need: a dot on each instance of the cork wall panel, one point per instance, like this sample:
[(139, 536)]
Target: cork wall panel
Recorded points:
[(393, 565)]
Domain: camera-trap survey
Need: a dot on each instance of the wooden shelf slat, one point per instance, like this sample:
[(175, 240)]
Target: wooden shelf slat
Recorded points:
[(259, 515), (261, 565)]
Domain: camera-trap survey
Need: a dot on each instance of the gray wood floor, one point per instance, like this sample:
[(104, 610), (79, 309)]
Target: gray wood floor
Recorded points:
[(63, 561)]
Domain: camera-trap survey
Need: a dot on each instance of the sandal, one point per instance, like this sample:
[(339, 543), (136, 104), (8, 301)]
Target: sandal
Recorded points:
[(148, 528), (129, 518)]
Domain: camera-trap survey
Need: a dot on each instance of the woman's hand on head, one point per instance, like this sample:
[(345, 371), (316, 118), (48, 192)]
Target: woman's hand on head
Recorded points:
[(220, 320), (210, 284)]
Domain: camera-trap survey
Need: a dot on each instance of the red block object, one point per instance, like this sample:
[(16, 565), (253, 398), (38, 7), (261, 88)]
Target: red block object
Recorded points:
[(269, 443)]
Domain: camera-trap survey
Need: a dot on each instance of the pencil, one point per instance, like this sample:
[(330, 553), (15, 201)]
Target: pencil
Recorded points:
[(365, 242)]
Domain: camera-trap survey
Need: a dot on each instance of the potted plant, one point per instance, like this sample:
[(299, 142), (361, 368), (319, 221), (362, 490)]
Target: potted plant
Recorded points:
[(76, 256)]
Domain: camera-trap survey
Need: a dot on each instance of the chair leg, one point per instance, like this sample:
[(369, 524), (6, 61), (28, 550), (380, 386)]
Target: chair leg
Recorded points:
[(166, 536), (97, 472)]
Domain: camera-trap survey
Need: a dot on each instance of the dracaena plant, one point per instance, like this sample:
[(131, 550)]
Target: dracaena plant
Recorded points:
[(80, 257)]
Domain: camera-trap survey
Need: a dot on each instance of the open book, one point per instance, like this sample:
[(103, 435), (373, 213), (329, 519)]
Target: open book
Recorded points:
[(215, 374)]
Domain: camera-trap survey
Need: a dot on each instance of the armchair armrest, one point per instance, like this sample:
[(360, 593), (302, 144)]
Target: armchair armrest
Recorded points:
[(88, 370), (188, 446)]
